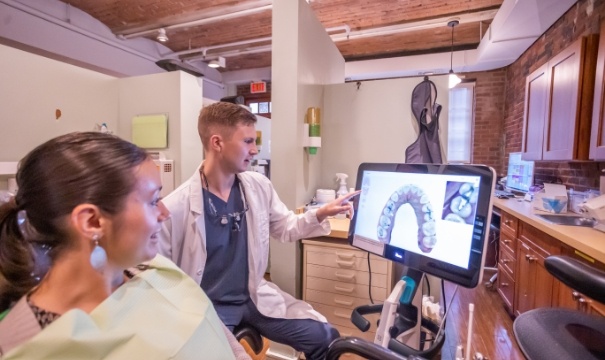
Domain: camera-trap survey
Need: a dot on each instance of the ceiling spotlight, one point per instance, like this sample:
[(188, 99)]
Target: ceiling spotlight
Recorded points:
[(162, 37), (220, 62)]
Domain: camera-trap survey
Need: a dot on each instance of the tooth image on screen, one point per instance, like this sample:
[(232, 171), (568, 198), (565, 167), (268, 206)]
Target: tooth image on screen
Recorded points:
[(417, 199)]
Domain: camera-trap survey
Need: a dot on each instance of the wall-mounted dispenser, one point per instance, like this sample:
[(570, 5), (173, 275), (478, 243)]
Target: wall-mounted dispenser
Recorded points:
[(311, 132)]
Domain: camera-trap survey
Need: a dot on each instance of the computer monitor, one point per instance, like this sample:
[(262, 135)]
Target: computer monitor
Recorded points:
[(520, 173), (432, 218)]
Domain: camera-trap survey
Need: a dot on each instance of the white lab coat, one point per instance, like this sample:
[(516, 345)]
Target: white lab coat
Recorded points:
[(183, 239)]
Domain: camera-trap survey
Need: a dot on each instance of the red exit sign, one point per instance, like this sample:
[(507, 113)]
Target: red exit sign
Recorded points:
[(258, 87)]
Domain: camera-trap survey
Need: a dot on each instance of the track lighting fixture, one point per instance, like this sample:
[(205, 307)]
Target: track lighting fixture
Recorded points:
[(162, 37), (219, 62)]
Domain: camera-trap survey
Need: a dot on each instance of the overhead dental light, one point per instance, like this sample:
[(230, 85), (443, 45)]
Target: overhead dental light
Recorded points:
[(220, 62), (162, 37), (453, 78)]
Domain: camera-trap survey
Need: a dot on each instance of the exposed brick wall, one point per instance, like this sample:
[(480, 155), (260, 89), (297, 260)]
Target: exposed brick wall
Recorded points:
[(489, 118), (572, 25)]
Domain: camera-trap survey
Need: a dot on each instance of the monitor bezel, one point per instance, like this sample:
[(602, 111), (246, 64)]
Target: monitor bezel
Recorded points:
[(469, 277)]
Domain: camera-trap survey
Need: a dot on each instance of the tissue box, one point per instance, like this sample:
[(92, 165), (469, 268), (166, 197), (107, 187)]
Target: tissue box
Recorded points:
[(549, 202)]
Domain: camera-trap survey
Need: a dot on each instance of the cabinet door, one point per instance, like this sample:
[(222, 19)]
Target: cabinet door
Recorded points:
[(536, 97), (534, 283), (562, 112), (597, 134), (525, 280)]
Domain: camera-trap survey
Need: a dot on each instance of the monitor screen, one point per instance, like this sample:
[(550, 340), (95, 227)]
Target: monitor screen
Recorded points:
[(433, 218), (520, 173)]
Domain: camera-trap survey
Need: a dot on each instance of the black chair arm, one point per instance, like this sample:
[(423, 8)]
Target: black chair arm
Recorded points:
[(362, 348), (252, 336), (577, 275), (357, 315)]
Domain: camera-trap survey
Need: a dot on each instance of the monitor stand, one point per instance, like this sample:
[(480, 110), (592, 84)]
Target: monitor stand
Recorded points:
[(402, 328)]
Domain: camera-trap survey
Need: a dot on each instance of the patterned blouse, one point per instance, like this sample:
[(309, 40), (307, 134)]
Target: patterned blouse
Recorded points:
[(44, 317)]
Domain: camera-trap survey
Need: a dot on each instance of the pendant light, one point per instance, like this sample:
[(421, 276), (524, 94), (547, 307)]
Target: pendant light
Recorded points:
[(453, 78)]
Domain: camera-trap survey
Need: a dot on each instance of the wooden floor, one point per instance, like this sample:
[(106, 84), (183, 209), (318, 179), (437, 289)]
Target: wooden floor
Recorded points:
[(492, 326)]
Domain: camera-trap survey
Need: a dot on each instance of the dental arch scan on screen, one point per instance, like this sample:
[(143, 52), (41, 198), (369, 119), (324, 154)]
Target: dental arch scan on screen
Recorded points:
[(440, 208)]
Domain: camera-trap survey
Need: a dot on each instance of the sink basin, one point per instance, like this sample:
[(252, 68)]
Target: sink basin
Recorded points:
[(568, 220)]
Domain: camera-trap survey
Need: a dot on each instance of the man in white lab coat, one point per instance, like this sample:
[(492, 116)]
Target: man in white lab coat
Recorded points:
[(219, 231)]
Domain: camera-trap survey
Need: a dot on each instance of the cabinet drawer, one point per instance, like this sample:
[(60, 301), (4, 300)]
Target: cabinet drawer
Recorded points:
[(346, 260), (507, 261), (344, 301), (506, 287), (509, 223), (508, 240), (353, 290), (342, 316), (346, 275), (544, 245)]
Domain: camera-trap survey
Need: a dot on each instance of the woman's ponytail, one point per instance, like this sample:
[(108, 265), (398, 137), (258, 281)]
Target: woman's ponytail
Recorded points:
[(16, 257)]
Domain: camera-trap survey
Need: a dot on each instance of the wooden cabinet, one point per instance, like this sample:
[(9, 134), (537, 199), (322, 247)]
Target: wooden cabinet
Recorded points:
[(536, 98), (597, 133), (572, 299), (336, 279), (558, 104), (534, 284), (507, 259)]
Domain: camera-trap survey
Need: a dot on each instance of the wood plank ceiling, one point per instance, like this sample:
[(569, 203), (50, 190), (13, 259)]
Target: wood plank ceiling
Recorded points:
[(129, 18)]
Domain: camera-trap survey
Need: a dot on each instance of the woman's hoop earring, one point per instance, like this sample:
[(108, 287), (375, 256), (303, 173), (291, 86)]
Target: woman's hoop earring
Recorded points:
[(98, 257)]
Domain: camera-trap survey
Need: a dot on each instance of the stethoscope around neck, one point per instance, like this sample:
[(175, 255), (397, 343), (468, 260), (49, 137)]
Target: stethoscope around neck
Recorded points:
[(237, 216)]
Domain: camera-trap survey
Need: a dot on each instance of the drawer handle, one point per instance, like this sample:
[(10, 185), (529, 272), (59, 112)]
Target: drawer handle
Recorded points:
[(575, 295), (345, 263), (347, 256), (507, 241), (507, 222), (503, 284), (341, 315), (343, 289), (530, 258), (342, 302), (345, 276), (505, 261)]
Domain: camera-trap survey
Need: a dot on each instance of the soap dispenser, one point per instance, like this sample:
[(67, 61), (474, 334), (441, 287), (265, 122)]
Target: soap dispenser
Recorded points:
[(342, 182)]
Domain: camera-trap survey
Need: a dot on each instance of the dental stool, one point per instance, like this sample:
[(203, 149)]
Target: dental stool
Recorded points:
[(556, 333), (255, 345)]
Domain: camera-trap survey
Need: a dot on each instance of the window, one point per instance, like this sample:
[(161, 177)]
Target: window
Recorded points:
[(460, 123), (260, 107)]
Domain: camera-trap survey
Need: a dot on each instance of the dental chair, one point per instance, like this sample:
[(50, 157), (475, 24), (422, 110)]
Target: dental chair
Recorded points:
[(557, 333)]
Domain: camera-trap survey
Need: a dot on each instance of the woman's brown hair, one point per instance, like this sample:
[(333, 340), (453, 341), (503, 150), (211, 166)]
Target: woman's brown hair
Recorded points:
[(55, 177)]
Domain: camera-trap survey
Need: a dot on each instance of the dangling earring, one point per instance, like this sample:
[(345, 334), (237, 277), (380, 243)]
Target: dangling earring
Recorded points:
[(98, 257)]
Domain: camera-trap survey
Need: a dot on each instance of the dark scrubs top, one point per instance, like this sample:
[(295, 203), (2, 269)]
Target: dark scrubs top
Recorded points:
[(225, 278)]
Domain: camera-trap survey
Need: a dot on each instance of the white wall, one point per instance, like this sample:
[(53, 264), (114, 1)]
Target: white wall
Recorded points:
[(263, 124), (374, 123), (176, 94), (32, 87), (304, 58)]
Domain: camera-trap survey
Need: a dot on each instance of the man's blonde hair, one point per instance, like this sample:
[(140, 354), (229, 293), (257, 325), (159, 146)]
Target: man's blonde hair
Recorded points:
[(222, 118)]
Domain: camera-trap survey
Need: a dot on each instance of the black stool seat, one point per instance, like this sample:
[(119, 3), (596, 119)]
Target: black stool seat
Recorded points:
[(555, 333)]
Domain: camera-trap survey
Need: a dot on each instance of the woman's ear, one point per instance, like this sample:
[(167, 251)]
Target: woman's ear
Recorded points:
[(87, 220)]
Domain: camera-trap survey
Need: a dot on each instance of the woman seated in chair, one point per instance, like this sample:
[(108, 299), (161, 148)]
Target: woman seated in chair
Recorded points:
[(87, 212)]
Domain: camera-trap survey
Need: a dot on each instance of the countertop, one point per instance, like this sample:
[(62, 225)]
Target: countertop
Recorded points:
[(585, 239)]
